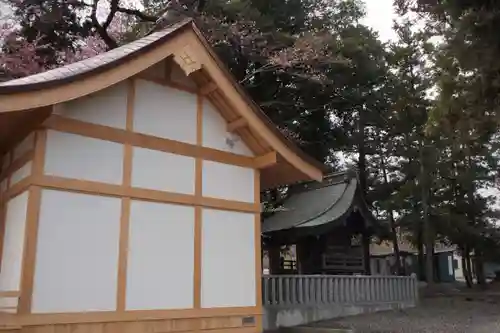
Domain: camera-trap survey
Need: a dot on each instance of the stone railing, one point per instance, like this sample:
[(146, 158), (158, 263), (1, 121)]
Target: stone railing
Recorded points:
[(313, 290)]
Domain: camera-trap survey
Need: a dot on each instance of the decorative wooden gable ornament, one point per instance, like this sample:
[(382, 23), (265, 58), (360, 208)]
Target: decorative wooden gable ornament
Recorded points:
[(186, 59)]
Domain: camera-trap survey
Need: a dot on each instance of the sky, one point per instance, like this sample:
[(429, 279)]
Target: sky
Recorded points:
[(379, 16)]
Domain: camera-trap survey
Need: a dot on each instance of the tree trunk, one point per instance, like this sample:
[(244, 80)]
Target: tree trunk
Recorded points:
[(465, 270), (392, 222), (468, 268), (421, 254), (362, 185), (366, 252), (395, 243), (428, 236), (362, 152), (478, 260), (479, 268)]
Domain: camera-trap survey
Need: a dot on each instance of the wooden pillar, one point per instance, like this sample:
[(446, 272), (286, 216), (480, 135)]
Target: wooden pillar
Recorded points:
[(310, 255), (31, 229), (318, 249), (302, 253), (274, 259), (366, 251)]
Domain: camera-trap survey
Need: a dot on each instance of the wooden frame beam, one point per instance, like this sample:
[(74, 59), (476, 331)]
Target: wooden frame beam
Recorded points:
[(83, 186), (4, 197), (9, 294), (208, 88), (31, 230), (237, 124), (198, 212), (17, 164), (258, 250), (17, 188), (121, 286), (267, 160), (3, 211), (62, 124), (169, 83), (135, 315)]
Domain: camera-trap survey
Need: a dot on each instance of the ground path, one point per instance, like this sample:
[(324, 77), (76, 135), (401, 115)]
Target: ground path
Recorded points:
[(451, 314)]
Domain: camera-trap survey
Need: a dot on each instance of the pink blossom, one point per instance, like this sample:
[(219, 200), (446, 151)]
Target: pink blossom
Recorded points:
[(21, 58)]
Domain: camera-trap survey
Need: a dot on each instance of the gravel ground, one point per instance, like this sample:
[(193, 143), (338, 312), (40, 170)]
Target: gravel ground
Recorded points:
[(435, 315)]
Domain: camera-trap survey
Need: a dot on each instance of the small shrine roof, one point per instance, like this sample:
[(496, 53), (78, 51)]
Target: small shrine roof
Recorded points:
[(315, 204)]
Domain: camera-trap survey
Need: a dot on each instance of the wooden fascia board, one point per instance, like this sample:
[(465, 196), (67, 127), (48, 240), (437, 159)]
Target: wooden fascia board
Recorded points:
[(239, 104), (208, 88), (235, 125), (92, 83), (266, 161)]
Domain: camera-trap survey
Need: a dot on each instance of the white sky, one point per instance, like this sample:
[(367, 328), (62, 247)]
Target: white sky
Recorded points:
[(380, 14)]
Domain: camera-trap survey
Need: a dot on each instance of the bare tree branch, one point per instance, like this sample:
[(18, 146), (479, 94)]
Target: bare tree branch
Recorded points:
[(113, 7), (137, 13), (101, 30)]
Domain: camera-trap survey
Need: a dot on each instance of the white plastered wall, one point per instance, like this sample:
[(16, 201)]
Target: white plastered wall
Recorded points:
[(228, 259), (157, 170), (21, 173), (161, 256), (13, 246), (216, 136), (230, 182), (79, 157), (107, 107), (228, 238), (165, 112), (77, 253)]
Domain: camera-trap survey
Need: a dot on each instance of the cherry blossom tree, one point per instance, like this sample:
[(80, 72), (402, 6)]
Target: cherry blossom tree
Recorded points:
[(20, 57)]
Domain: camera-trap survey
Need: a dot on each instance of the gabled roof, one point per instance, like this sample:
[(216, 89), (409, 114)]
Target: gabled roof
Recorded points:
[(318, 204), (25, 102)]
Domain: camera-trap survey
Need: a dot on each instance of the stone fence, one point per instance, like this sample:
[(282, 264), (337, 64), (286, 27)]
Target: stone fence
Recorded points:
[(291, 300)]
